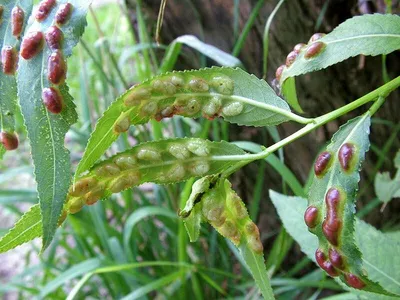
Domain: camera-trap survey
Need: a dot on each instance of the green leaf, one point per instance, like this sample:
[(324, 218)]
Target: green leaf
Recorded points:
[(385, 187), (333, 194), (163, 162), (82, 268), (238, 97), (136, 217), (368, 35), (256, 264), (377, 262), (46, 131), (214, 201), (221, 57), (26, 229), (8, 84), (290, 94)]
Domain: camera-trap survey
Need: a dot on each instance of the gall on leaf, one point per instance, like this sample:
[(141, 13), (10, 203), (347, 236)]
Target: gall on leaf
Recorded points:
[(43, 10), (56, 68), (63, 13), (9, 140), (53, 100), (32, 44), (17, 21), (9, 60), (54, 38)]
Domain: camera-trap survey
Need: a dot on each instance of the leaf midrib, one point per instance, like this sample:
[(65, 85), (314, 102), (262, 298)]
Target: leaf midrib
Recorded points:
[(380, 35)]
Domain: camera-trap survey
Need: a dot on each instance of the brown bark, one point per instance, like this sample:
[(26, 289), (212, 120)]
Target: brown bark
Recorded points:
[(319, 92)]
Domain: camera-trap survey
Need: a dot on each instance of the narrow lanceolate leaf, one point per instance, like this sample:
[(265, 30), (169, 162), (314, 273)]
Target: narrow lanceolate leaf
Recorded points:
[(233, 94), (377, 262), (221, 57), (42, 69), (25, 230), (386, 188), (213, 200), (330, 215), (163, 162), (9, 43), (368, 35)]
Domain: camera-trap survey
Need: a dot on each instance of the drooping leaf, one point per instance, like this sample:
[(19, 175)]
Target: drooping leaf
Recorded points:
[(385, 187), (213, 200), (164, 162), (377, 262), (332, 196), (28, 227), (368, 35), (46, 130), (8, 84), (221, 57), (231, 93)]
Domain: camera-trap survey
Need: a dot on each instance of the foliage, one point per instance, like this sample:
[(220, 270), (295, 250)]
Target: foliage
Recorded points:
[(113, 239)]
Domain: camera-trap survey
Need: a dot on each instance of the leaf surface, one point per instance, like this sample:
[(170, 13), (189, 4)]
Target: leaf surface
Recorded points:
[(46, 131), (371, 34), (163, 162), (237, 96), (377, 262), (333, 194)]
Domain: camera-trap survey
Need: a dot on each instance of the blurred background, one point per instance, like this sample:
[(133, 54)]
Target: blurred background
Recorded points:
[(134, 245)]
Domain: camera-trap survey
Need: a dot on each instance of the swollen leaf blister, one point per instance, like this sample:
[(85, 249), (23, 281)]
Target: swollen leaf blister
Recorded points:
[(214, 201), (233, 94), (330, 214), (163, 162)]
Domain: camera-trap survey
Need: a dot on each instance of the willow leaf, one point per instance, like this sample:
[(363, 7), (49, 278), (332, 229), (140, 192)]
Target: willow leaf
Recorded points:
[(332, 195), (28, 227), (163, 162), (213, 200), (8, 84), (377, 262), (368, 35), (235, 95), (46, 131), (386, 188)]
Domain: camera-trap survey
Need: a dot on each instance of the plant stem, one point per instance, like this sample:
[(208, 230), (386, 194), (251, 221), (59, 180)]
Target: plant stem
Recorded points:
[(380, 93)]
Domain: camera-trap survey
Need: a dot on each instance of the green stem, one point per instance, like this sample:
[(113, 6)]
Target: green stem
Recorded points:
[(380, 93)]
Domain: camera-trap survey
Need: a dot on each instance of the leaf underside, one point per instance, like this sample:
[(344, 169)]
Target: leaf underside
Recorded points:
[(46, 131), (257, 91), (377, 262)]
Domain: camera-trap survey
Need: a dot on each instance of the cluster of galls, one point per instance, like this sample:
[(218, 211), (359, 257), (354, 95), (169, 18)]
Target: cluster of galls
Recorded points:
[(177, 95), (123, 171), (33, 43), (333, 262), (226, 212), (311, 50)]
